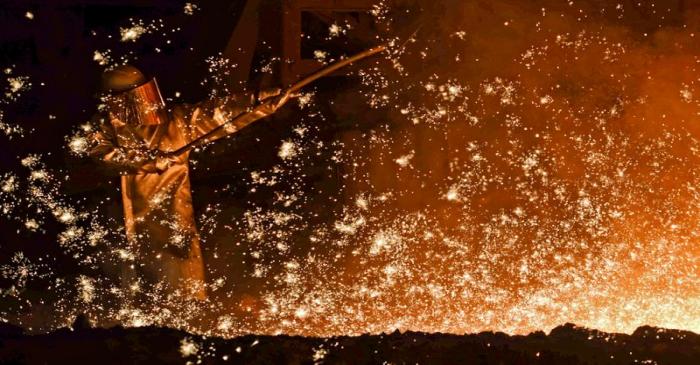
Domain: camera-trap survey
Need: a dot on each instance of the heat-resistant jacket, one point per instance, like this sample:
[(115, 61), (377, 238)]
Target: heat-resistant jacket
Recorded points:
[(159, 218)]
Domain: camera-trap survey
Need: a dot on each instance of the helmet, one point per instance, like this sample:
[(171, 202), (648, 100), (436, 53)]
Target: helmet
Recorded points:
[(131, 98)]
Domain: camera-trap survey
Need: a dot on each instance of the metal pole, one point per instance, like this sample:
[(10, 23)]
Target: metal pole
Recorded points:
[(240, 119)]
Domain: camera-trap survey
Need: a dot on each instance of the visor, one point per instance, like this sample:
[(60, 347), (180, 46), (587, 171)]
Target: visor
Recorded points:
[(141, 105)]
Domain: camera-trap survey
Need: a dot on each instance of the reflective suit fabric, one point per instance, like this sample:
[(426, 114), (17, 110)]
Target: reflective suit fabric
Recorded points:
[(158, 212)]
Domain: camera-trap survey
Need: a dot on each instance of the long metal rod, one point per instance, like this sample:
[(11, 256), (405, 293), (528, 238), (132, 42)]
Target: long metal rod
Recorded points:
[(334, 67), (240, 120)]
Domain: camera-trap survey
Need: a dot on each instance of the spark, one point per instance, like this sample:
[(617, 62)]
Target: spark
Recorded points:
[(87, 288), (320, 55), (511, 222), (188, 347), (190, 8), (686, 94), (31, 224), (304, 100), (78, 145), (301, 312), (404, 160), (9, 184), (17, 84), (452, 194), (287, 150), (460, 34), (133, 33), (102, 58), (319, 354), (10, 130)]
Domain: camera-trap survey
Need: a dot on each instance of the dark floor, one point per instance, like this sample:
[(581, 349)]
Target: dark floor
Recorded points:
[(567, 344)]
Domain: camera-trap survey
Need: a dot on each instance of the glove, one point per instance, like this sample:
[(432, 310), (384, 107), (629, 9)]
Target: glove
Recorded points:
[(165, 160), (268, 93), (272, 103)]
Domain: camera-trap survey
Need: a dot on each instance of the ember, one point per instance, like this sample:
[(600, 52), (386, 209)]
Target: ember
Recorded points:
[(503, 165)]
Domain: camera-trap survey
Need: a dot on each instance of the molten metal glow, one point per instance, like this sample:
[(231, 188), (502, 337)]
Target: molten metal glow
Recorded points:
[(530, 169)]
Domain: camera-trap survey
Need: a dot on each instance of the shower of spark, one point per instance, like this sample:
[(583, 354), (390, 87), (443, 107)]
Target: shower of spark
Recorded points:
[(533, 166)]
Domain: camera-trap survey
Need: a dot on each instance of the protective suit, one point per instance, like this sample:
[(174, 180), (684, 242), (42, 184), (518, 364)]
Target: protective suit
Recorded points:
[(134, 138)]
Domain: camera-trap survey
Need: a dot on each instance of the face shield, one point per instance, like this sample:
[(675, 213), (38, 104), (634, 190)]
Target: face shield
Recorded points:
[(142, 105)]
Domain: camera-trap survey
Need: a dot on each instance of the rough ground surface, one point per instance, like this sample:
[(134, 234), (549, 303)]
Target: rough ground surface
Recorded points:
[(567, 344)]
